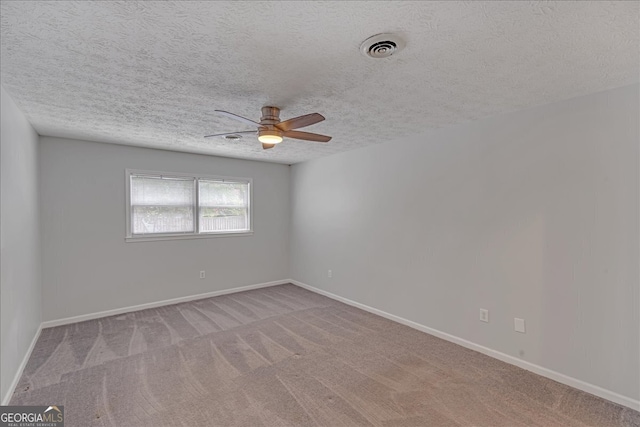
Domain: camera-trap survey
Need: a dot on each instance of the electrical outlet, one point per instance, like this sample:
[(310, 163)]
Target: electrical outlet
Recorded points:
[(329, 274), (202, 274), (484, 315), (519, 325)]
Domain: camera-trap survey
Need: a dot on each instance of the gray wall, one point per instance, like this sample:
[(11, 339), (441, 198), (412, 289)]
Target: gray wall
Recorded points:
[(88, 267), (531, 215), (20, 284)]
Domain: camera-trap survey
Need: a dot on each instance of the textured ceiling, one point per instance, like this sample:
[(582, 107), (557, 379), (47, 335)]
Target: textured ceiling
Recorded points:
[(151, 73)]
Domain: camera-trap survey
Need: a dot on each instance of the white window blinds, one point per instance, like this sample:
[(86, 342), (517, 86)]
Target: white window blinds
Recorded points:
[(224, 206), (162, 205)]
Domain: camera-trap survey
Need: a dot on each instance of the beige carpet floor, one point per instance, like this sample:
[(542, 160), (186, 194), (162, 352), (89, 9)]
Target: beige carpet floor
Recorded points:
[(284, 356)]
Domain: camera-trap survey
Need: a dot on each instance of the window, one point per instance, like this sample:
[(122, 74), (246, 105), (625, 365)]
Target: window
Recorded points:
[(169, 205)]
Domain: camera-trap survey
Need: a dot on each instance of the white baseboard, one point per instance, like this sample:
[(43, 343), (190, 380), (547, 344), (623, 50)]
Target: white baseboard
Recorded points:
[(107, 313), (548, 373), (23, 364)]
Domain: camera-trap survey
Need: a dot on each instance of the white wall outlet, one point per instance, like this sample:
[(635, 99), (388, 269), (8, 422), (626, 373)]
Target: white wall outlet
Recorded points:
[(202, 274), (519, 325), (329, 274), (484, 315)]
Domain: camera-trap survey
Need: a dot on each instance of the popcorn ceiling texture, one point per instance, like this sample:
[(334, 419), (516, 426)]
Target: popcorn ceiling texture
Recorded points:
[(151, 73)]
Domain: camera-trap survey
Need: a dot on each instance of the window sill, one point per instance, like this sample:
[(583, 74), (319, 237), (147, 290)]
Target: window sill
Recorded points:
[(186, 236)]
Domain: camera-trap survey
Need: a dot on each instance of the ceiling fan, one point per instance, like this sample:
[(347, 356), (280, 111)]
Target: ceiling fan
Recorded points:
[(271, 130)]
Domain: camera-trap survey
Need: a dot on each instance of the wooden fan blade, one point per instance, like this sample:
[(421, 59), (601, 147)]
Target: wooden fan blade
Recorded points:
[(307, 136), (230, 133), (237, 117), (267, 146), (300, 122)]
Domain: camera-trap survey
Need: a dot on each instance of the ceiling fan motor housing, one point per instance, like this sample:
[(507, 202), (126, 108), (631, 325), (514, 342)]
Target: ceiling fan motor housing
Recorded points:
[(265, 132), (268, 132), (270, 116)]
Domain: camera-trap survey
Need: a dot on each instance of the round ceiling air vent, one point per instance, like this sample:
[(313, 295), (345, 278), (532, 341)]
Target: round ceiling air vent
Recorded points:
[(381, 46), (232, 137)]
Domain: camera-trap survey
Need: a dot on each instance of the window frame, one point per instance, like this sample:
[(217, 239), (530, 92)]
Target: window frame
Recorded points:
[(196, 234)]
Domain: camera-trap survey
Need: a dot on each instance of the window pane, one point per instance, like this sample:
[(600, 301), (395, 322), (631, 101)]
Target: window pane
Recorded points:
[(224, 206), (161, 205)]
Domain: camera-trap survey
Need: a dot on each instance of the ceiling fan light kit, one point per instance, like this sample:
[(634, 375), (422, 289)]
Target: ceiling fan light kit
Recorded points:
[(267, 136), (271, 130)]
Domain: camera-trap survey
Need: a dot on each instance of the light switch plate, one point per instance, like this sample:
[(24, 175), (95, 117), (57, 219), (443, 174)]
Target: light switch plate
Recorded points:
[(519, 325)]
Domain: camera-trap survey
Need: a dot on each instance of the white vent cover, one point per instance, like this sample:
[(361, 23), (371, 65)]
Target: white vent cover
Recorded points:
[(381, 46)]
